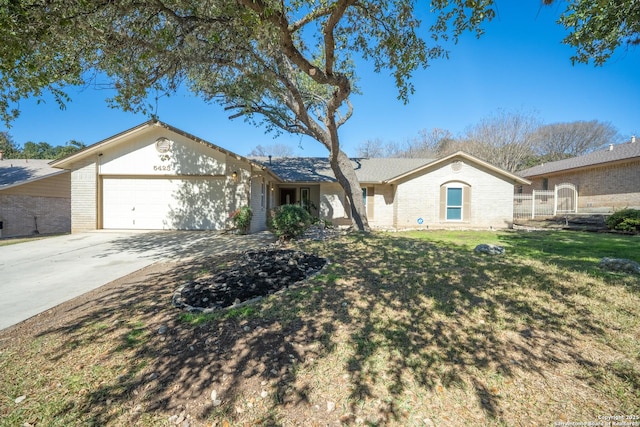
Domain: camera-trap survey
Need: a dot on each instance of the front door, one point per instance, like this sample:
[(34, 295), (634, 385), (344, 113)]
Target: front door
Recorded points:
[(288, 196)]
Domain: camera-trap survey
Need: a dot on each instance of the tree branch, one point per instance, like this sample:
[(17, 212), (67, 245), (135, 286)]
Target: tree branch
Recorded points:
[(315, 14), (280, 21), (329, 38)]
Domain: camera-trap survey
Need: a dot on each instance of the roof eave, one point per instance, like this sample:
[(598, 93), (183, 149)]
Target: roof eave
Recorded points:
[(17, 184), (99, 146), (577, 168), (517, 179)]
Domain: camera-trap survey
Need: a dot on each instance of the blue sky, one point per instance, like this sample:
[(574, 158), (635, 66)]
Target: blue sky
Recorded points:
[(519, 65)]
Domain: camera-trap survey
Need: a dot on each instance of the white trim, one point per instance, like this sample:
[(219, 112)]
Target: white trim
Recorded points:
[(515, 178), (446, 203)]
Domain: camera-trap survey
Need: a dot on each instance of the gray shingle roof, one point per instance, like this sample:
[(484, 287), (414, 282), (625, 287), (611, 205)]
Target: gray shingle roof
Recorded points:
[(618, 152), (318, 169), (20, 171)]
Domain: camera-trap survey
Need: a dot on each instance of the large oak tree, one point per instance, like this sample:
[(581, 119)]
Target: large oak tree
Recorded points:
[(286, 64)]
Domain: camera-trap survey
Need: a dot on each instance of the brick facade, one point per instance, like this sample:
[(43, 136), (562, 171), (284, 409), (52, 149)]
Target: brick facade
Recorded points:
[(400, 193), (259, 203), (416, 202), (84, 207), (43, 206), (420, 199), (600, 188)]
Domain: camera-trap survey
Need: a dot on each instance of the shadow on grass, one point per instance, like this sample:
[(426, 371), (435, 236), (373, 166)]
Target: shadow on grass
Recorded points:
[(572, 250), (392, 312)]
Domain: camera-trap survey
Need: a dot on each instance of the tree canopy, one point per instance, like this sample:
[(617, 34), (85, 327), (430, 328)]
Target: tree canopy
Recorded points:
[(36, 150), (561, 140), (597, 28), (275, 150), (287, 65), (9, 148), (429, 144), (510, 140)]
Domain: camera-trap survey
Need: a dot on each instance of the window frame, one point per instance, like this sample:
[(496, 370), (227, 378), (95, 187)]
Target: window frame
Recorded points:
[(448, 206), (305, 198)]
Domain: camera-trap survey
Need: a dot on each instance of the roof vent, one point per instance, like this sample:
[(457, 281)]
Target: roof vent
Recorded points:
[(633, 138), (610, 147)]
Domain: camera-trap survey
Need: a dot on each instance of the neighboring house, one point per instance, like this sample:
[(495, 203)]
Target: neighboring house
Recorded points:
[(606, 180), (35, 198), (155, 176)]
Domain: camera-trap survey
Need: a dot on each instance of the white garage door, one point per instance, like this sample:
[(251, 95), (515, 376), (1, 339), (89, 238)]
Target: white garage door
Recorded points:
[(163, 204)]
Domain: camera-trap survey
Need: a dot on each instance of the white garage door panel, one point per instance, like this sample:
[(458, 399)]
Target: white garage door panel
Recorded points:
[(163, 204)]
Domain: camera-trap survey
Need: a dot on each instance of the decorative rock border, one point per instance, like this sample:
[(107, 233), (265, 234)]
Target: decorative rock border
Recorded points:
[(286, 263)]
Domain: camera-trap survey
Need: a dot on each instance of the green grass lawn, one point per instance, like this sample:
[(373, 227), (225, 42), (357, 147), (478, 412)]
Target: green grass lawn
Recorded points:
[(571, 249), (401, 329)]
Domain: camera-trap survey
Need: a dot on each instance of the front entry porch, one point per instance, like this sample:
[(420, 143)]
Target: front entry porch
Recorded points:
[(306, 196)]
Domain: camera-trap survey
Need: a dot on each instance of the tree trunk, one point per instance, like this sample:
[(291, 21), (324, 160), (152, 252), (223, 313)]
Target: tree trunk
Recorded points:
[(346, 176)]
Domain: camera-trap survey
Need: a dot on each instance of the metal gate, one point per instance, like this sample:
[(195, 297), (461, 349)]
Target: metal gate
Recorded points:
[(563, 199), (566, 198)]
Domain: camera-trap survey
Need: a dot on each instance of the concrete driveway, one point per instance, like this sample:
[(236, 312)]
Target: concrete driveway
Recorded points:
[(40, 274)]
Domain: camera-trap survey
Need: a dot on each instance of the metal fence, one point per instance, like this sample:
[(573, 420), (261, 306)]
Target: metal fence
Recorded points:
[(562, 199)]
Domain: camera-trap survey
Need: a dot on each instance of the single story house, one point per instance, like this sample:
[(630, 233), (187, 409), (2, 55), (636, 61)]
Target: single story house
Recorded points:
[(35, 198), (155, 176), (606, 180), (457, 191)]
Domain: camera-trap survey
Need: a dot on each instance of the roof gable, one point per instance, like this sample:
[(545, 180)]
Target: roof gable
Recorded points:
[(461, 155), (98, 147), (613, 153)]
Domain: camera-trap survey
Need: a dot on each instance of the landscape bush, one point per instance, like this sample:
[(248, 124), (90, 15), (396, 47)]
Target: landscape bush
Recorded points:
[(625, 220), (242, 219), (289, 221)]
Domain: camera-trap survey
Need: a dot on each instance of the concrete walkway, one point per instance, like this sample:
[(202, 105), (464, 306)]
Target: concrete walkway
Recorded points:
[(40, 274)]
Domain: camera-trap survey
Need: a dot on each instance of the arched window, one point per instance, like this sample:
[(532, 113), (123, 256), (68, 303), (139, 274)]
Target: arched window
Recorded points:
[(455, 202)]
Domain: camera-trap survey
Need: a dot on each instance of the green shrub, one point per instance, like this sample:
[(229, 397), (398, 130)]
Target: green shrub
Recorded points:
[(242, 219), (322, 222), (289, 221), (625, 220)]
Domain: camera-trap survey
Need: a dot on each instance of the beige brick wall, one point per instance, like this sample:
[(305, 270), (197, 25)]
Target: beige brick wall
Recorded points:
[(84, 199), (46, 199), (237, 193), (22, 215), (601, 188), (259, 194), (332, 204), (383, 208), (491, 204), (418, 196)]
